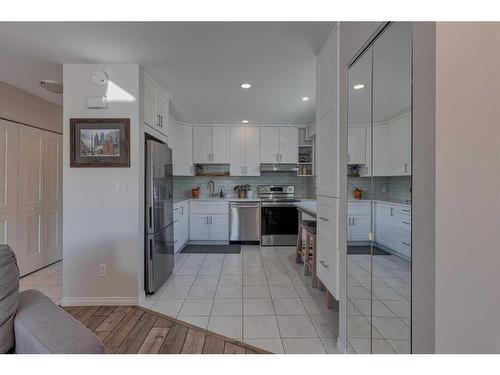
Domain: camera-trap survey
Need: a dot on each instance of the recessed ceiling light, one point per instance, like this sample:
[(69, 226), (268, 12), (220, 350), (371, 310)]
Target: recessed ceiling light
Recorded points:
[(245, 121), (246, 85), (305, 98), (359, 86)]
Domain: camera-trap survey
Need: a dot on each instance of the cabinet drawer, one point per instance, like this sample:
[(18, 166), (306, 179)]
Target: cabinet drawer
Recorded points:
[(403, 222), (403, 242), (327, 215), (324, 266), (403, 210), (209, 207), (358, 208)]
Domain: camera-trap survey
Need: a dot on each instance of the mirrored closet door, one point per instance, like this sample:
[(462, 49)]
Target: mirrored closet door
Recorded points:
[(379, 195)]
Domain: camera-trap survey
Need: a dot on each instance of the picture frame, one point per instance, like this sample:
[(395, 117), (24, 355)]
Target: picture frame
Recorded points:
[(99, 142)]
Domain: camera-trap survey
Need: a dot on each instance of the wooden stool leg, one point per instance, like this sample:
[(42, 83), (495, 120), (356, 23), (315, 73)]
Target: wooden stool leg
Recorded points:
[(306, 254), (313, 261), (298, 250), (330, 301)]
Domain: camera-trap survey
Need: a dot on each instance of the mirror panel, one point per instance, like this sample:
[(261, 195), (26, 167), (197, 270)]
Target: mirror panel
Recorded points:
[(379, 187)]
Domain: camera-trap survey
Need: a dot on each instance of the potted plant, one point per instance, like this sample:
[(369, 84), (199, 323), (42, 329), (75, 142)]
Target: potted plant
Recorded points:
[(242, 189), (358, 193), (355, 170)]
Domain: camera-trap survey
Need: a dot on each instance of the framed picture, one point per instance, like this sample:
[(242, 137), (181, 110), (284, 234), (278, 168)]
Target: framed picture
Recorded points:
[(99, 142)]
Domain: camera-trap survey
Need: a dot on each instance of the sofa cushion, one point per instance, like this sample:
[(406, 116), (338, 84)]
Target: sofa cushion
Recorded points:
[(41, 326), (9, 285)]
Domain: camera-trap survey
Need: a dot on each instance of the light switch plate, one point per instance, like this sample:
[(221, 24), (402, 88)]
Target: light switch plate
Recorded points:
[(121, 186), (97, 102)]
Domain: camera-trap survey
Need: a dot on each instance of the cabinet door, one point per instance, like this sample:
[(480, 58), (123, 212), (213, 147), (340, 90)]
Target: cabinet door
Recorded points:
[(327, 75), (219, 228), (237, 163), (9, 133), (400, 147), (252, 151), (380, 150), (356, 147), (269, 144), (162, 111), (202, 144), (149, 105), (384, 224), (181, 142), (52, 197), (359, 227), (199, 227), (30, 211), (366, 169), (326, 161), (289, 145), (221, 144)]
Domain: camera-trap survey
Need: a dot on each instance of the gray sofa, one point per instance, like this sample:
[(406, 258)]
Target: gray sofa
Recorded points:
[(31, 323)]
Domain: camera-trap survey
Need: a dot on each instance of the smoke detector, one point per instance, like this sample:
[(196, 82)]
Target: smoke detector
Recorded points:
[(54, 87)]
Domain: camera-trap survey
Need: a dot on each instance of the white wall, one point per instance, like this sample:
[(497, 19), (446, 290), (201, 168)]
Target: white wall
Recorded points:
[(467, 180), (100, 224)]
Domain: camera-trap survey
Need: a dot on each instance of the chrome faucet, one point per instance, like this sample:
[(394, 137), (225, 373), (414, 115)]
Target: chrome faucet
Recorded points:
[(212, 189)]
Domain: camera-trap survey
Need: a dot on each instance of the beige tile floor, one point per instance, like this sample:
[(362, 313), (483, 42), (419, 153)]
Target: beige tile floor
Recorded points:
[(260, 296), (380, 324), (48, 280)]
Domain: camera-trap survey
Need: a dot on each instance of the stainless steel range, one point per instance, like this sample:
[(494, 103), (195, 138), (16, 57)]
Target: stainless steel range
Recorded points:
[(279, 216)]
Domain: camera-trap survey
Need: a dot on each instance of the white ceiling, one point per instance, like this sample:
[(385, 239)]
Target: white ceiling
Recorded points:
[(200, 64)]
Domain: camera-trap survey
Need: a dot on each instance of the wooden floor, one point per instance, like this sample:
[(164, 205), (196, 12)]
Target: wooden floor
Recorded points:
[(133, 329)]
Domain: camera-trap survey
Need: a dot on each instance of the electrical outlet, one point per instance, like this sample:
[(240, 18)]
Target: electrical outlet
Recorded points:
[(103, 270)]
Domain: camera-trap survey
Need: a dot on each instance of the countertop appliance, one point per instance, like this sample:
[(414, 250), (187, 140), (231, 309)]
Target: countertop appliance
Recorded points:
[(159, 215), (244, 222), (279, 223)]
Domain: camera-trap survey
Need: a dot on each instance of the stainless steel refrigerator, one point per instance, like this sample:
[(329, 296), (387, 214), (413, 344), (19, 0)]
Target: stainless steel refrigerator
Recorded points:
[(159, 247)]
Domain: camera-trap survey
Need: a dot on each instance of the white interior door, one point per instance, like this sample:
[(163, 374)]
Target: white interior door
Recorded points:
[(236, 167), (289, 144), (9, 133), (252, 151), (52, 197), (269, 144), (202, 144), (30, 210), (221, 144)]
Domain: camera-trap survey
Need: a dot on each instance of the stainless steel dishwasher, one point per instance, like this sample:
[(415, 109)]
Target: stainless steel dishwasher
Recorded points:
[(244, 222)]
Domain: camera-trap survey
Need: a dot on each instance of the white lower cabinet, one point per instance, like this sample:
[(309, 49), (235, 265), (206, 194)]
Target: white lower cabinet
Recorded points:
[(209, 221), (358, 221), (393, 227), (181, 225), (328, 246), (384, 224)]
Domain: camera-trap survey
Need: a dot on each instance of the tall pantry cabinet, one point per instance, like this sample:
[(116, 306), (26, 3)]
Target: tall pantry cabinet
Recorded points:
[(31, 194)]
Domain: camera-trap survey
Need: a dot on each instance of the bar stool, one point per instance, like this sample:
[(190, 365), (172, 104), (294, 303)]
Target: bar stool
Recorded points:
[(307, 254)]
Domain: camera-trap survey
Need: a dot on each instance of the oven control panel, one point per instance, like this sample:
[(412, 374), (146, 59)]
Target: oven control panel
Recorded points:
[(276, 189)]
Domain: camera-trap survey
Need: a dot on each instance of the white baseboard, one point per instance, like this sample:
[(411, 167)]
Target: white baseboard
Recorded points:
[(99, 301)]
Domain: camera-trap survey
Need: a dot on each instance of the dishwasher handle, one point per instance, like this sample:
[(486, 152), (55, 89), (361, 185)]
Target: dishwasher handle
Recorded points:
[(244, 205)]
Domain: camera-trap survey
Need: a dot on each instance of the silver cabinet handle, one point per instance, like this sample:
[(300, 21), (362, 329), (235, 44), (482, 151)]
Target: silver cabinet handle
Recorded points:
[(277, 158), (322, 262), (392, 212), (404, 243), (405, 210), (176, 209), (405, 168), (405, 222), (324, 218), (210, 220), (207, 220), (353, 221), (161, 121)]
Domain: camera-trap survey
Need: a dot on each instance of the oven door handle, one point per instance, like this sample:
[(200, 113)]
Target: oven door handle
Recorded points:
[(278, 204)]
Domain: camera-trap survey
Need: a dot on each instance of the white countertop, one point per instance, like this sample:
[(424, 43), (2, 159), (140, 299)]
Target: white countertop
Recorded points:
[(309, 206), (219, 200), (399, 203)]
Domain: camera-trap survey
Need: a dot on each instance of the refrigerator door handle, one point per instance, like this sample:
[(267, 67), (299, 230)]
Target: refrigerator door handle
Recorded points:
[(151, 249), (150, 222)]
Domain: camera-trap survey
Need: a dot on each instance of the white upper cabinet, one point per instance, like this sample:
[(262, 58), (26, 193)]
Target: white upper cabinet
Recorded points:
[(211, 145), (155, 106), (326, 161), (327, 123), (327, 71), (221, 146), (181, 142), (279, 144), (245, 147), (356, 147), (269, 144), (202, 144), (289, 143)]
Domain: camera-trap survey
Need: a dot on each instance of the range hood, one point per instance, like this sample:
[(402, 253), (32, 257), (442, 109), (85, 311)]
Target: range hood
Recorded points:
[(278, 167)]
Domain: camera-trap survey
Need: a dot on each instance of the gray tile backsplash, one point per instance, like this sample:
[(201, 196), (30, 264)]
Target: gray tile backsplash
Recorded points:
[(183, 185), (394, 188)]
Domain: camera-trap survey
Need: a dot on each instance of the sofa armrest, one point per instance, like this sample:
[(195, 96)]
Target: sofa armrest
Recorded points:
[(40, 326)]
